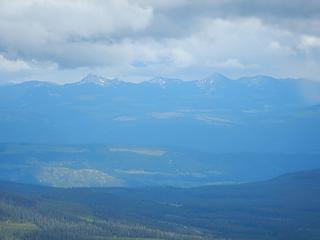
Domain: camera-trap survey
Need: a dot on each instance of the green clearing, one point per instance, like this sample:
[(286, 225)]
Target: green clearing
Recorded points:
[(14, 230)]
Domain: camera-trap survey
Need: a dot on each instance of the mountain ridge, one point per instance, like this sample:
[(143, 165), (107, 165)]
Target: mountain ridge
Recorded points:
[(218, 113), (215, 77)]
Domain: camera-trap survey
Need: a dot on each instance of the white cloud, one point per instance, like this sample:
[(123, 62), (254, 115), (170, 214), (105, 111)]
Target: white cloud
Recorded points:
[(308, 42), (182, 58), (8, 65), (232, 63), (275, 45)]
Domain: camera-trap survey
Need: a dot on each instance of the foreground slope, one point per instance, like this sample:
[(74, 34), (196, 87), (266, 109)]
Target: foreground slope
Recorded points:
[(287, 207)]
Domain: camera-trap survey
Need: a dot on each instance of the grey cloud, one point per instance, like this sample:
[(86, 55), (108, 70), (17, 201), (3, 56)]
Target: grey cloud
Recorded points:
[(144, 38), (184, 17), (38, 29), (257, 8)]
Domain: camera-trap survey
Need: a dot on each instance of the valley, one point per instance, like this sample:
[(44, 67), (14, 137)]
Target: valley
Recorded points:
[(159, 120), (100, 165)]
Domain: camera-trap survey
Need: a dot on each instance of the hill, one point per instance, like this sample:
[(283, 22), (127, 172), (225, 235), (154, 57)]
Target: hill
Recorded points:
[(286, 207), (102, 165)]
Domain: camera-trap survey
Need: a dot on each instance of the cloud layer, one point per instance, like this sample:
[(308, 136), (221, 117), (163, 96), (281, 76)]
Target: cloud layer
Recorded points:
[(62, 40)]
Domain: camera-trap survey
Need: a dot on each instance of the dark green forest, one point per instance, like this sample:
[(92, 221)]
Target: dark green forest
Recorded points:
[(286, 207)]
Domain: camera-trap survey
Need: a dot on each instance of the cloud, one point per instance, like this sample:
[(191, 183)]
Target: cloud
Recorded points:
[(73, 19), (184, 15), (8, 65), (308, 42), (139, 39), (233, 63), (164, 4), (58, 29)]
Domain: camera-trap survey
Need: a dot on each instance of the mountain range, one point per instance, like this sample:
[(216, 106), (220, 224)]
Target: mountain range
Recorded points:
[(215, 114), (101, 132)]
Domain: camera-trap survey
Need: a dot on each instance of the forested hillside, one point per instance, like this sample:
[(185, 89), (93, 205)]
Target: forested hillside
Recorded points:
[(287, 207)]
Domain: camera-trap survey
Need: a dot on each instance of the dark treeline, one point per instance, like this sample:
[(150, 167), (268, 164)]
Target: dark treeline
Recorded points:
[(286, 207), (26, 219)]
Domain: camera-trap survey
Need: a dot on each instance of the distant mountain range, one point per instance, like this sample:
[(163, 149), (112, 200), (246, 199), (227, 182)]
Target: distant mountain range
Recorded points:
[(215, 114)]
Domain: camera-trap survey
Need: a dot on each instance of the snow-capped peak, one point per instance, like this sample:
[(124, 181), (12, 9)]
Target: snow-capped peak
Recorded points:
[(93, 79), (97, 80), (212, 80), (159, 80), (163, 82)]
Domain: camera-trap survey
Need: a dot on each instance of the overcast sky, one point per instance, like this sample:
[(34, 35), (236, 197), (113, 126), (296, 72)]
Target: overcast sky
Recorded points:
[(63, 40)]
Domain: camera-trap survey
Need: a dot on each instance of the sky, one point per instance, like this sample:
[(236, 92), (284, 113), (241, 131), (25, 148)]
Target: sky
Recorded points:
[(134, 40)]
